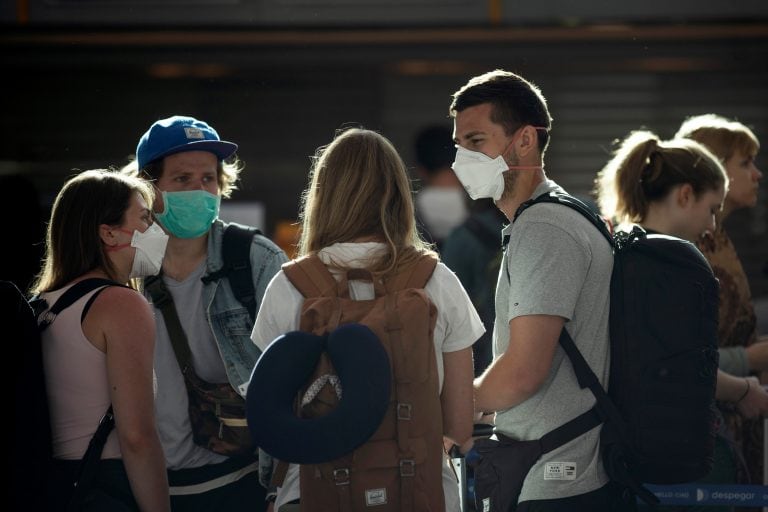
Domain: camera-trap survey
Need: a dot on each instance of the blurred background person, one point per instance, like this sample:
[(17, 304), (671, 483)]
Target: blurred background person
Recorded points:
[(440, 201), (473, 252), (743, 352)]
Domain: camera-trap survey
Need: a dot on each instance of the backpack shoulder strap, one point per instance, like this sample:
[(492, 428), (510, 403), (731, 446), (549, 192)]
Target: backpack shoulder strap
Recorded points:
[(484, 234), (75, 292), (236, 253), (89, 464), (415, 276), (163, 300), (311, 277), (573, 203)]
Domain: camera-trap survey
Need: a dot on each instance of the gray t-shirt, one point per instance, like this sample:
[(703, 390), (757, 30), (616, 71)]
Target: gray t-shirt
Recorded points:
[(559, 264), (171, 402)]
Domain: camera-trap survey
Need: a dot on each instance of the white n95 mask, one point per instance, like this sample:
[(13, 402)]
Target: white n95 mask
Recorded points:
[(481, 175), (150, 249), (441, 209)]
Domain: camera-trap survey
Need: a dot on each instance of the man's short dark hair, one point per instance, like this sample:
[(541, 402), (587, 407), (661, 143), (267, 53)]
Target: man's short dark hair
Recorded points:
[(516, 102)]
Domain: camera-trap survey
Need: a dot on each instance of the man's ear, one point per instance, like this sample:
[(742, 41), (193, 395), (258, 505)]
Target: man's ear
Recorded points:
[(529, 140), (107, 235)]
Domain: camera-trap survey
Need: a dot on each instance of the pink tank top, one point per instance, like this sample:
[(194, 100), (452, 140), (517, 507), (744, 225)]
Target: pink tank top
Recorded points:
[(76, 381)]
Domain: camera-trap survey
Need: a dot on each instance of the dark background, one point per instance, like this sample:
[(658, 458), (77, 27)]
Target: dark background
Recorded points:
[(83, 79)]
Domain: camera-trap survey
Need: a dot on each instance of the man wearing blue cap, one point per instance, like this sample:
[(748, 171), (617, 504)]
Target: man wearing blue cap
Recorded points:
[(190, 168)]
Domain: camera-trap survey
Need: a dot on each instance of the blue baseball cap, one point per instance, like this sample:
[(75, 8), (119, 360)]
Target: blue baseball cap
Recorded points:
[(178, 134)]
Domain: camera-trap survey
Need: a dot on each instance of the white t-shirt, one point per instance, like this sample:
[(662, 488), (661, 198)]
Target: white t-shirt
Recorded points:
[(458, 326)]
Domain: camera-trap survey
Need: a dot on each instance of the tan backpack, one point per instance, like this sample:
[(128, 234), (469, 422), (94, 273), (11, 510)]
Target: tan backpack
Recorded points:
[(400, 467)]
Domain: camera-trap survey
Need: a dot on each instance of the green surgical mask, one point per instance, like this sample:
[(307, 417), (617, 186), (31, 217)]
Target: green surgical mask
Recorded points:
[(189, 214)]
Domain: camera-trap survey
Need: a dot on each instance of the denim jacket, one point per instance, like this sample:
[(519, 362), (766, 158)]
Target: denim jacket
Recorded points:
[(229, 320)]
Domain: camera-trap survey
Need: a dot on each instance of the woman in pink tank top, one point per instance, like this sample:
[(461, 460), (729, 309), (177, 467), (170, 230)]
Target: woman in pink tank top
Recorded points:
[(99, 351)]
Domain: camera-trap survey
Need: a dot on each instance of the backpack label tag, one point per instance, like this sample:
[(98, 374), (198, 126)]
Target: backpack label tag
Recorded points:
[(375, 497), (560, 471)]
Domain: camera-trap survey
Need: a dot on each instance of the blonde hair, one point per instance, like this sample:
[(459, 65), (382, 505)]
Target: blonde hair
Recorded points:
[(720, 135), (644, 170), (359, 188)]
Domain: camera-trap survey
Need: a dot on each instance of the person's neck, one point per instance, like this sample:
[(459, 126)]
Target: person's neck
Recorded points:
[(526, 184), (728, 208), (100, 273), (184, 255), (658, 221)]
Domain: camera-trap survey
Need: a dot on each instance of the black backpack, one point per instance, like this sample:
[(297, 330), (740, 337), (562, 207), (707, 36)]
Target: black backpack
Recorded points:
[(32, 458), (29, 461), (659, 412), (236, 254)]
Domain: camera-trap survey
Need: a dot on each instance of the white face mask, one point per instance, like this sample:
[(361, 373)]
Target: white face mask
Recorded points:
[(441, 209), (150, 249), (481, 175)]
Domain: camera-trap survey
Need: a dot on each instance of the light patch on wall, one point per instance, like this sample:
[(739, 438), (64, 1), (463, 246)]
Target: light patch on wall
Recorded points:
[(250, 213), (173, 70)]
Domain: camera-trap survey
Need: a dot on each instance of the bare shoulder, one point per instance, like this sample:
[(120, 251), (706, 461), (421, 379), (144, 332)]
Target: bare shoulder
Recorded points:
[(118, 314), (118, 305)]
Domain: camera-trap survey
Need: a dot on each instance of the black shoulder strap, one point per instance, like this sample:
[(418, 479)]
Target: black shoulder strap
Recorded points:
[(236, 253), (574, 204), (90, 462), (75, 292), (606, 410), (163, 300), (488, 237)]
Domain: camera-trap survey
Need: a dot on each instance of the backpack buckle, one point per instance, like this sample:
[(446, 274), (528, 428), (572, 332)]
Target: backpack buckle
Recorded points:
[(341, 476), (45, 319), (403, 411), (407, 467)]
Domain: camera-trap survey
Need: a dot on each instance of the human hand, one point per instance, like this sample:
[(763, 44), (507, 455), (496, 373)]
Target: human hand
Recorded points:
[(454, 449), (754, 402), (485, 417)]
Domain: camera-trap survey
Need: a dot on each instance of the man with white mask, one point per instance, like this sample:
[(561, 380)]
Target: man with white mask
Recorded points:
[(440, 204), (191, 169), (555, 273)]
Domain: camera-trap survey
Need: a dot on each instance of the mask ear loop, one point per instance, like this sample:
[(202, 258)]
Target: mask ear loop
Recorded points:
[(117, 247)]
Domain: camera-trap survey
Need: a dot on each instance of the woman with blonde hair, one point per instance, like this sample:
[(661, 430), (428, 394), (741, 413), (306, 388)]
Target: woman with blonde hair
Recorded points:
[(358, 214), (97, 353)]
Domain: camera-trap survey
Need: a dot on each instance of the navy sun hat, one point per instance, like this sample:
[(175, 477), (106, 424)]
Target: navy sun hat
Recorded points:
[(363, 368), (177, 134)]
